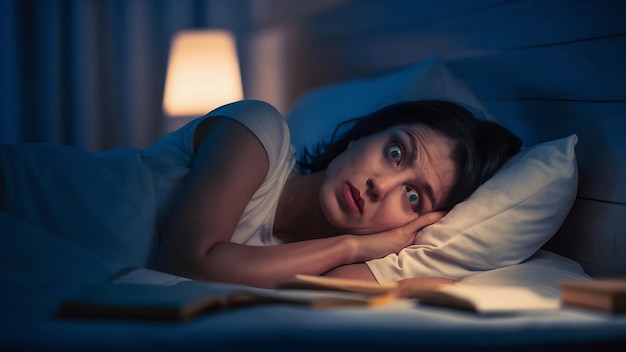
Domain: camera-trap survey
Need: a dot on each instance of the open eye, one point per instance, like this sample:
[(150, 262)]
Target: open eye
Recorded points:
[(413, 197), (395, 152)]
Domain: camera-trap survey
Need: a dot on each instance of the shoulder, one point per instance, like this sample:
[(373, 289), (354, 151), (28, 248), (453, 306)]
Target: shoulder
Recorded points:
[(256, 115), (263, 120)]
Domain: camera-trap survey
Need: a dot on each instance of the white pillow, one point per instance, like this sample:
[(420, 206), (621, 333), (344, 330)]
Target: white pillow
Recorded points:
[(504, 222), (317, 113)]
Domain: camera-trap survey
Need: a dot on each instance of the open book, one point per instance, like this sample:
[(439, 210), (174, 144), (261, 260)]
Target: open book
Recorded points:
[(484, 299), (146, 294), (481, 299), (312, 282)]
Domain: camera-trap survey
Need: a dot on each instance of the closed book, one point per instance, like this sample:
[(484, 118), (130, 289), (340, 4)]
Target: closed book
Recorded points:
[(604, 294)]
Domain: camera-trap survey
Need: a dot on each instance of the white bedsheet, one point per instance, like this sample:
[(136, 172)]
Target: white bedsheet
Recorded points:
[(31, 289)]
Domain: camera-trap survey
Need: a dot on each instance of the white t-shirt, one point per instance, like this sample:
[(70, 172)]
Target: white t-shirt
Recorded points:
[(170, 161)]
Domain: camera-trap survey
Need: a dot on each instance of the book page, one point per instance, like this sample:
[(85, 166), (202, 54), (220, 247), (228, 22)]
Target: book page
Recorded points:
[(186, 299), (312, 282), (486, 299)]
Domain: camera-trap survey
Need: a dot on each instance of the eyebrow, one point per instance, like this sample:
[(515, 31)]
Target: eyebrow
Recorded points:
[(412, 141), (426, 187)]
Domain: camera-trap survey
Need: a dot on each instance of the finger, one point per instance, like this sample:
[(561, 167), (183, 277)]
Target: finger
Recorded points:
[(427, 219)]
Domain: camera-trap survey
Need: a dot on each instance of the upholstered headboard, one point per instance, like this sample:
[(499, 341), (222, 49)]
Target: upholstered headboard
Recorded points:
[(545, 69)]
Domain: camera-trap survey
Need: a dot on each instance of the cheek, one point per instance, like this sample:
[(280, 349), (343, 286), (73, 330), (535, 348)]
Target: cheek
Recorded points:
[(327, 201), (391, 214)]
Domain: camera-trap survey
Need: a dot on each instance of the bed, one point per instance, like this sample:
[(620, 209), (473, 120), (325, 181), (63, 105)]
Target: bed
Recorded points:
[(552, 72)]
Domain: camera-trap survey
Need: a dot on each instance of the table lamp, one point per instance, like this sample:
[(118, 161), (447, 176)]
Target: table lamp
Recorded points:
[(202, 74)]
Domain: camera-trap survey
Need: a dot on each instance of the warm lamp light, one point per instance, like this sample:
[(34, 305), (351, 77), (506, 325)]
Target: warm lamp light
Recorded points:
[(202, 73)]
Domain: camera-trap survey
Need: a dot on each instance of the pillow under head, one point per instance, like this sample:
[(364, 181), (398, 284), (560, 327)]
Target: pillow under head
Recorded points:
[(504, 222)]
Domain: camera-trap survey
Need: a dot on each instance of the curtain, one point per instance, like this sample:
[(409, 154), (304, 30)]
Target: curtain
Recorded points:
[(88, 73)]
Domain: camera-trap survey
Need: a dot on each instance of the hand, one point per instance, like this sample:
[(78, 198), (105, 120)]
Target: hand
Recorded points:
[(393, 241)]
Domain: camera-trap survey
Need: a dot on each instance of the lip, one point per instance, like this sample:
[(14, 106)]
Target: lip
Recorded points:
[(353, 198)]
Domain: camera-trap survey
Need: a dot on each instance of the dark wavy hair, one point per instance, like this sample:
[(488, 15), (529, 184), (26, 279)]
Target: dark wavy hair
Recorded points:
[(480, 147)]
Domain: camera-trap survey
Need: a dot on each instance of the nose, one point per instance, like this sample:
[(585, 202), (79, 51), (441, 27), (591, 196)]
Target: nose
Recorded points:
[(378, 187)]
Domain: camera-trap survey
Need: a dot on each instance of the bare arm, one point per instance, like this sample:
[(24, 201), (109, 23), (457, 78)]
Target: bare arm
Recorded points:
[(229, 167)]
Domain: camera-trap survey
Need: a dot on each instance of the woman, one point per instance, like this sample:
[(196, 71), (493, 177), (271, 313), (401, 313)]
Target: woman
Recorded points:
[(246, 215)]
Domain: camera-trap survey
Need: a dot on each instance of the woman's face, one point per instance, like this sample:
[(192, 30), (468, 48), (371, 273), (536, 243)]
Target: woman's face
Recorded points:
[(387, 179)]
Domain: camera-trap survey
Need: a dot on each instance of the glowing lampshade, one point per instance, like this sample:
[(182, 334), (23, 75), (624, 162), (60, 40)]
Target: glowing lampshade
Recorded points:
[(202, 73)]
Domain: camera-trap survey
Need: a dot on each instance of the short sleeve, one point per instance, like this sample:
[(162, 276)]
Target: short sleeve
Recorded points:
[(263, 120)]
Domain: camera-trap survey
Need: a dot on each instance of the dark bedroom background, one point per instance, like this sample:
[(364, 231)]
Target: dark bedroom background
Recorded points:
[(90, 73)]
